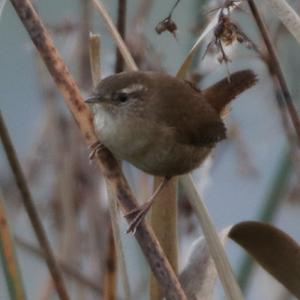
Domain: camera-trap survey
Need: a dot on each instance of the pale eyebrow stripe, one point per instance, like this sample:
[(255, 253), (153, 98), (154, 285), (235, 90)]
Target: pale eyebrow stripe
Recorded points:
[(133, 88)]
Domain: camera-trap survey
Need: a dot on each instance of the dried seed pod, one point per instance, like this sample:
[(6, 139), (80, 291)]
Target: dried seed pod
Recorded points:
[(166, 25)]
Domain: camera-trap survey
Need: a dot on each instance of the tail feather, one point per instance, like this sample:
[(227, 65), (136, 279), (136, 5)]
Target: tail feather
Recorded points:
[(221, 93)]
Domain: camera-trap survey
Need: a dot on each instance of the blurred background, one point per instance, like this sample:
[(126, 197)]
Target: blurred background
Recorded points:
[(248, 177)]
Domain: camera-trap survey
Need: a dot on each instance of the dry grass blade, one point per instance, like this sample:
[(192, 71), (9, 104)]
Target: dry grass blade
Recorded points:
[(223, 267), (181, 73), (276, 68), (273, 249), (114, 32), (287, 15), (199, 276), (95, 57), (106, 162), (9, 258), (119, 246), (32, 212)]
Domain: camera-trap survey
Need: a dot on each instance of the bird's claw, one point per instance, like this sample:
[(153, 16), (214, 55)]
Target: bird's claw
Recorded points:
[(138, 214)]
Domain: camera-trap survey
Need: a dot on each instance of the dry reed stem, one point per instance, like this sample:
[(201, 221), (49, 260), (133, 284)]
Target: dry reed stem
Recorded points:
[(110, 276), (231, 288), (164, 223), (106, 162), (95, 57), (276, 68), (114, 32), (119, 246), (32, 212), (83, 53), (288, 16), (121, 27)]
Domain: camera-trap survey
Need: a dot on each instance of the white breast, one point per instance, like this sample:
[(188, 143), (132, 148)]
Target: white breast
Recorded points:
[(149, 147), (123, 137)]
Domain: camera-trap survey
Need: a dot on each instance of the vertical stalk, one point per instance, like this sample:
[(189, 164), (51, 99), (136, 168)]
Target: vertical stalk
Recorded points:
[(83, 57), (217, 252), (164, 224), (9, 258), (114, 213), (110, 280), (32, 212), (121, 26), (276, 68)]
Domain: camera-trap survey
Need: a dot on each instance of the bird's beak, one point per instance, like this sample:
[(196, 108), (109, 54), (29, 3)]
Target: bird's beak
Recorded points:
[(92, 99)]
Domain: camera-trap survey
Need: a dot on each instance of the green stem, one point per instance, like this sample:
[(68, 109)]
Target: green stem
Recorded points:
[(9, 259)]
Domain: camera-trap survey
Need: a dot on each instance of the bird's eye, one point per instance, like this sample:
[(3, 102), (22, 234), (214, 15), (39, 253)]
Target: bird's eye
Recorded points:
[(121, 97)]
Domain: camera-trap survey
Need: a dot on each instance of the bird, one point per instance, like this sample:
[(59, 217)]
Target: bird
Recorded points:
[(161, 124)]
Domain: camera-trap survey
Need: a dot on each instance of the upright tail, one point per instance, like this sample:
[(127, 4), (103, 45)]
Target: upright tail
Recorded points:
[(222, 92)]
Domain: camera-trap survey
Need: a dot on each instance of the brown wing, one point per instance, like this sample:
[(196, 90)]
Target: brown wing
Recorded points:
[(180, 107), (198, 124)]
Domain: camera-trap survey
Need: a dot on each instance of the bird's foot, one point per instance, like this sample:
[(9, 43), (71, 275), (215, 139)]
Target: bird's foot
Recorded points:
[(138, 214), (94, 149)]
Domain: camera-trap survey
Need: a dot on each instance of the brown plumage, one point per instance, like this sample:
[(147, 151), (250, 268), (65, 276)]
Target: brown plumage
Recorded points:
[(223, 92), (161, 124)]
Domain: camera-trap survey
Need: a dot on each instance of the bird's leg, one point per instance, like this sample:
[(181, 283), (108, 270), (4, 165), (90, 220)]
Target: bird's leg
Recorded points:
[(140, 212), (94, 149)]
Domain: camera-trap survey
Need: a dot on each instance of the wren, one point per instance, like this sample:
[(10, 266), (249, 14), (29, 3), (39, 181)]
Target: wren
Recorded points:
[(162, 125)]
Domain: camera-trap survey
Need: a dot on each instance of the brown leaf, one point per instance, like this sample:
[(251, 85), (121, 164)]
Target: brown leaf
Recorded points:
[(273, 249)]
